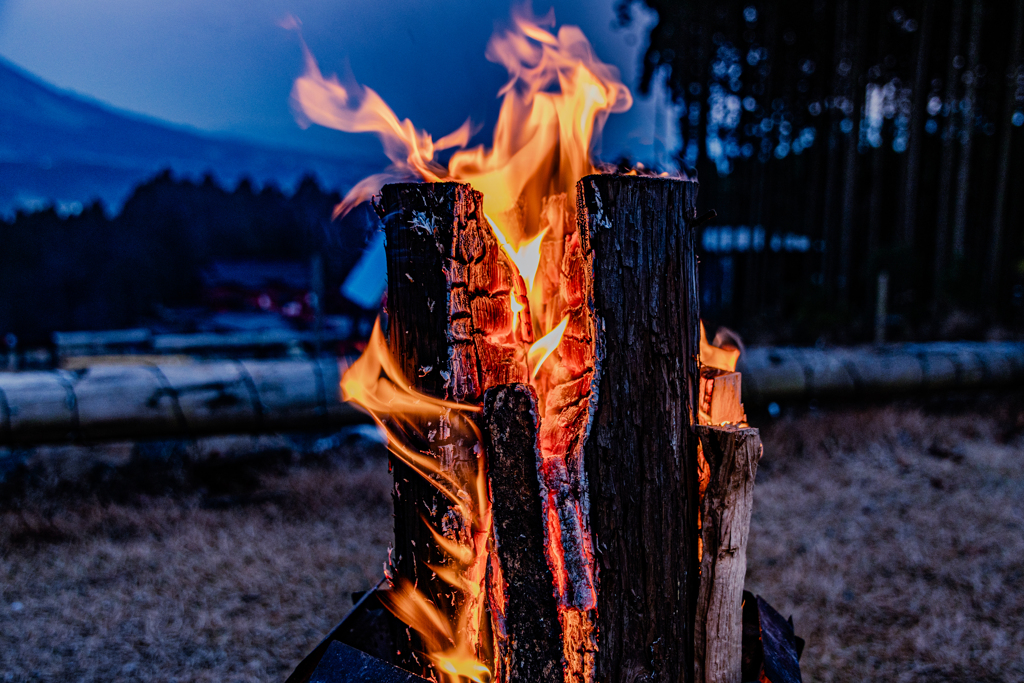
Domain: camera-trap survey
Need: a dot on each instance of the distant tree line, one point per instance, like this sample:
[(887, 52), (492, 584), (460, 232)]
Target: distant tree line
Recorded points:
[(90, 271), (888, 136)]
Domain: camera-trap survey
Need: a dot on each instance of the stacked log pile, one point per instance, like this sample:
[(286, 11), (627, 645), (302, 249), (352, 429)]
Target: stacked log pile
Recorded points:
[(129, 402)]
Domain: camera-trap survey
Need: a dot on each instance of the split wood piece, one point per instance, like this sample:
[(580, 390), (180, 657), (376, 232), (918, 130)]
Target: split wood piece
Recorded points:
[(641, 453), (771, 649), (729, 464), (449, 318), (524, 611), (720, 397), (342, 664)]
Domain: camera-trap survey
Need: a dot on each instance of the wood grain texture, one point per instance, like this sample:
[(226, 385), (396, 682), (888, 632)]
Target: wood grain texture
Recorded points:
[(641, 453), (419, 222), (730, 455), (527, 633), (143, 401)]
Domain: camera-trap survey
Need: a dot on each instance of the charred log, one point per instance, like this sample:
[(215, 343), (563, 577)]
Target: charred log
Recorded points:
[(448, 313), (729, 463), (640, 458), (523, 607)]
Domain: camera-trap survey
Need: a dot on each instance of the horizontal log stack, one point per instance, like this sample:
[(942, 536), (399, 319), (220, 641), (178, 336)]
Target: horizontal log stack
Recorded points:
[(133, 401)]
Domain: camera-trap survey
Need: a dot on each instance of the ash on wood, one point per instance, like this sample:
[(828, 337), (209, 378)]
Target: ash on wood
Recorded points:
[(449, 284), (729, 464), (524, 611), (641, 453)]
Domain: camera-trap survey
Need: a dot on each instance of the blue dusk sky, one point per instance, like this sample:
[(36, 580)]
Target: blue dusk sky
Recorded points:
[(226, 66)]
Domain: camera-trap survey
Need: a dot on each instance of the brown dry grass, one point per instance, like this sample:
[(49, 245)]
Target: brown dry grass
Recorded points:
[(894, 535), (167, 589)]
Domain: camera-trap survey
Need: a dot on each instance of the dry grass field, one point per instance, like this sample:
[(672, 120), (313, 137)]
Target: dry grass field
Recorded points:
[(894, 535)]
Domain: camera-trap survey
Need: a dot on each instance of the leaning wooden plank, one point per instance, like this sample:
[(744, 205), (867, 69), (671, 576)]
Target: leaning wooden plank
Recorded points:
[(730, 457)]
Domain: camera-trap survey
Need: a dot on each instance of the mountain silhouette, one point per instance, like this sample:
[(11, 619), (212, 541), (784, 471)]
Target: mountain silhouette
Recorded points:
[(63, 149)]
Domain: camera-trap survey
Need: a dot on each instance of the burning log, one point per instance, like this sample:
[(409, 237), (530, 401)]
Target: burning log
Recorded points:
[(728, 465), (618, 483), (523, 605), (640, 458), (450, 288)]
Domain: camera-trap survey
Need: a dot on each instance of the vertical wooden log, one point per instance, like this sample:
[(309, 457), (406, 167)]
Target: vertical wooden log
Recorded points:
[(448, 289), (730, 457), (641, 453), (524, 611)]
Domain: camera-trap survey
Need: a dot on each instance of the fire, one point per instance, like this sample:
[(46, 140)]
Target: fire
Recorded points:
[(553, 107), (376, 384), (545, 346), (722, 358)]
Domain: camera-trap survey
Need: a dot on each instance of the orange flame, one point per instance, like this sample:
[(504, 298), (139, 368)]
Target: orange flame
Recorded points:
[(375, 383), (541, 349), (722, 358), (554, 106)]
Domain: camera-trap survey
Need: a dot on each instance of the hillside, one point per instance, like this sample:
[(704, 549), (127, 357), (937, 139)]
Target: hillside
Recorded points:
[(62, 148)]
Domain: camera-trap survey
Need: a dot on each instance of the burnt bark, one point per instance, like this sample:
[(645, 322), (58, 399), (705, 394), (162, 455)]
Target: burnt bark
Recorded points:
[(524, 610), (448, 288), (641, 453), (730, 457)]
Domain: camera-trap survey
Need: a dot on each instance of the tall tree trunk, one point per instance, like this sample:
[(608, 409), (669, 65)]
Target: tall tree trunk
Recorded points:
[(946, 167), (913, 168), (853, 48), (876, 195), (963, 176), (830, 256), (1013, 71)]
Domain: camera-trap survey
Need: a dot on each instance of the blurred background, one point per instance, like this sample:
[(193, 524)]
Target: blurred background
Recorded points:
[(160, 206), (150, 158)]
